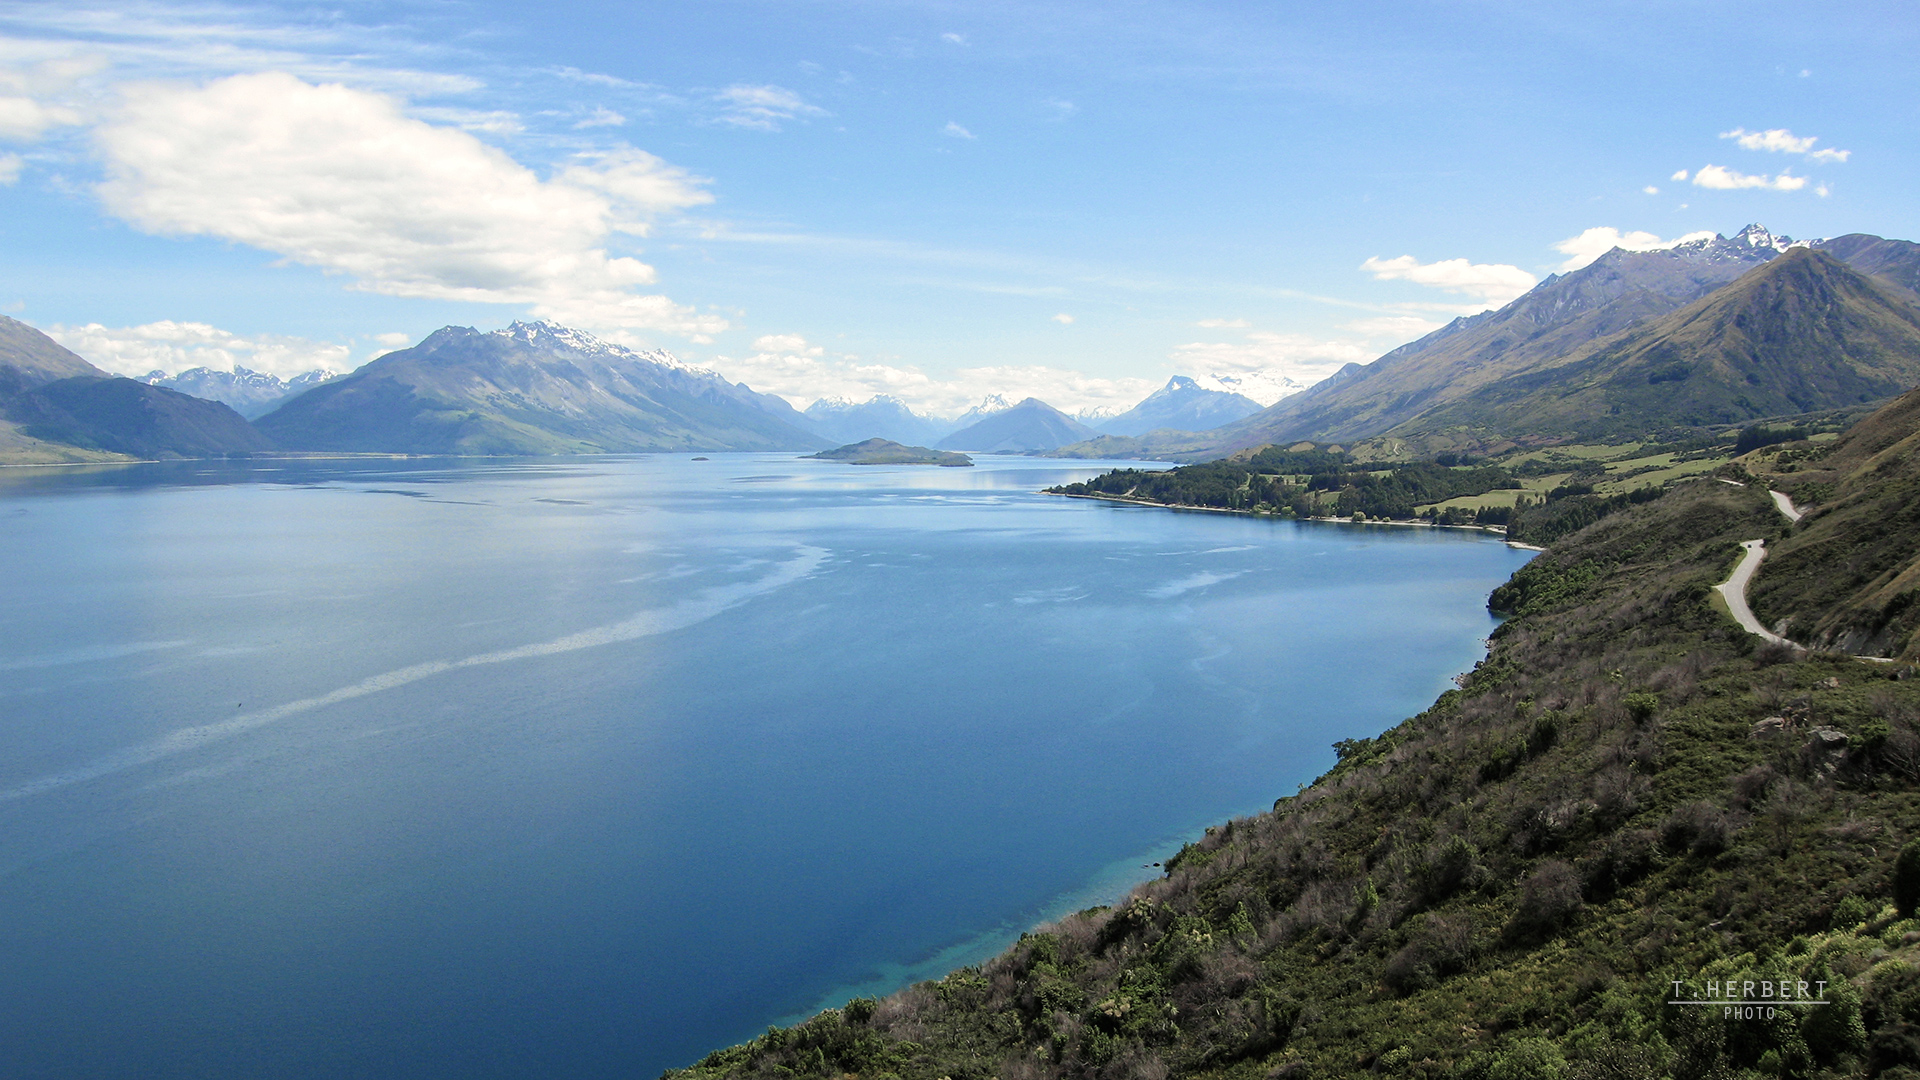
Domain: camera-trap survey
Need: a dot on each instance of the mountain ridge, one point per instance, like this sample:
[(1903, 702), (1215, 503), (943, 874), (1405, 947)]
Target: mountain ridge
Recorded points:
[(532, 388)]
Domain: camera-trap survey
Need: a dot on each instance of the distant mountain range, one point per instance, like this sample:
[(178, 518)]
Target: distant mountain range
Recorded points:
[(54, 406), (249, 393), (883, 417), (1183, 405), (533, 388), (1635, 345), (1030, 425)]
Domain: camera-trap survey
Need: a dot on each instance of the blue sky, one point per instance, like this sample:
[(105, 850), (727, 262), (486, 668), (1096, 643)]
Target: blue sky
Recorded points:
[(933, 200)]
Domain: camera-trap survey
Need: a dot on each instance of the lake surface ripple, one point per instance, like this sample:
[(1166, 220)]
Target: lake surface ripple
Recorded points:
[(584, 767)]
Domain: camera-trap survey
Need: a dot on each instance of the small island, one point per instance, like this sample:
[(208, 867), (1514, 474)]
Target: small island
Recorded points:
[(888, 452)]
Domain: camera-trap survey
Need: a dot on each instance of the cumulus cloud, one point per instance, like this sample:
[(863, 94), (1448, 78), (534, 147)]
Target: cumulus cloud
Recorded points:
[(174, 347), (1593, 243), (1063, 319), (1723, 179), (341, 179), (1491, 283), (763, 108), (1650, 190), (1679, 175), (1782, 141)]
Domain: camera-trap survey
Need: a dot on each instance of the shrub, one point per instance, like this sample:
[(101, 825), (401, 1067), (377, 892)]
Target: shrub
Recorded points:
[(1548, 901), (1701, 828), (1906, 879), (1641, 705), (1439, 947), (1449, 868)]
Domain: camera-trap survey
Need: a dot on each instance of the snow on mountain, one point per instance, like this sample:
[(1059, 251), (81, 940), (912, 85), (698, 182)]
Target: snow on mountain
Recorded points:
[(1265, 387), (249, 393)]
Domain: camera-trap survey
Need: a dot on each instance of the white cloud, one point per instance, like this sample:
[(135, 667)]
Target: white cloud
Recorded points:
[(1823, 191), (493, 122), (955, 131), (10, 165), (1401, 328), (340, 179), (601, 117), (1593, 243), (174, 347), (1680, 175), (1063, 319), (1650, 190), (1782, 141), (24, 119), (394, 340), (1491, 283), (953, 38), (1224, 324), (763, 108), (786, 343), (1724, 179), (1777, 140)]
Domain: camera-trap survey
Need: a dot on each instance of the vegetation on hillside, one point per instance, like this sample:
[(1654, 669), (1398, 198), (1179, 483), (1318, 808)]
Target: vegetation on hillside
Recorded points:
[(1628, 792), (1310, 482)]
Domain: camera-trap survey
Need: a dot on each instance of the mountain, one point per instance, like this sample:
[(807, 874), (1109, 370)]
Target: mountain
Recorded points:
[(880, 416), (1030, 425), (54, 406), (1182, 405), (1606, 351), (1619, 290), (992, 403), (532, 388), (249, 393)]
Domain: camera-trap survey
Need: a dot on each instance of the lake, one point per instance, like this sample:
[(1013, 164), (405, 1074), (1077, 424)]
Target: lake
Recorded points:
[(584, 767)]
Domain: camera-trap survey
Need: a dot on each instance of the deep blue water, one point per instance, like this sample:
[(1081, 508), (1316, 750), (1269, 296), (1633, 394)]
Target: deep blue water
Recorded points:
[(582, 768)]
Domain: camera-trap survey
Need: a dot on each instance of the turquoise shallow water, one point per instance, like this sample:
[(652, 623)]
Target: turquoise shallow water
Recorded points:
[(583, 768)]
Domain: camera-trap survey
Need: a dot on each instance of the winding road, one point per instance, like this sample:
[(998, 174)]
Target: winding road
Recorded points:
[(1734, 589)]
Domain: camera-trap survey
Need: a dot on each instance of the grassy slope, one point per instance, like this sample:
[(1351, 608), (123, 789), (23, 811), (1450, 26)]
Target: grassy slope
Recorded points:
[(1503, 885)]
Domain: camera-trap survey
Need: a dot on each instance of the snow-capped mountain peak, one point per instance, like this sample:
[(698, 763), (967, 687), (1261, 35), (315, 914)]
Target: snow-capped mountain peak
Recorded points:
[(546, 334)]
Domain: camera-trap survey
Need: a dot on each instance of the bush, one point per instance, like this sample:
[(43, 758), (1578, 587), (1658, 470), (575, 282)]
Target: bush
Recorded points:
[(1449, 868), (1440, 947), (1701, 828), (1906, 879), (1548, 901)]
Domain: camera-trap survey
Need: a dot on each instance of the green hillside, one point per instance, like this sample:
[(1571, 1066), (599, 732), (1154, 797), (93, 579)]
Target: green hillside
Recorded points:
[(1627, 792), (1848, 576)]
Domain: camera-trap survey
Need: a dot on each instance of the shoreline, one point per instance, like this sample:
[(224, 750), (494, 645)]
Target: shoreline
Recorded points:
[(1492, 530)]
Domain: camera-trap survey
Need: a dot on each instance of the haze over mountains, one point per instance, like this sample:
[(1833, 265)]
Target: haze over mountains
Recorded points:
[(1716, 332)]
